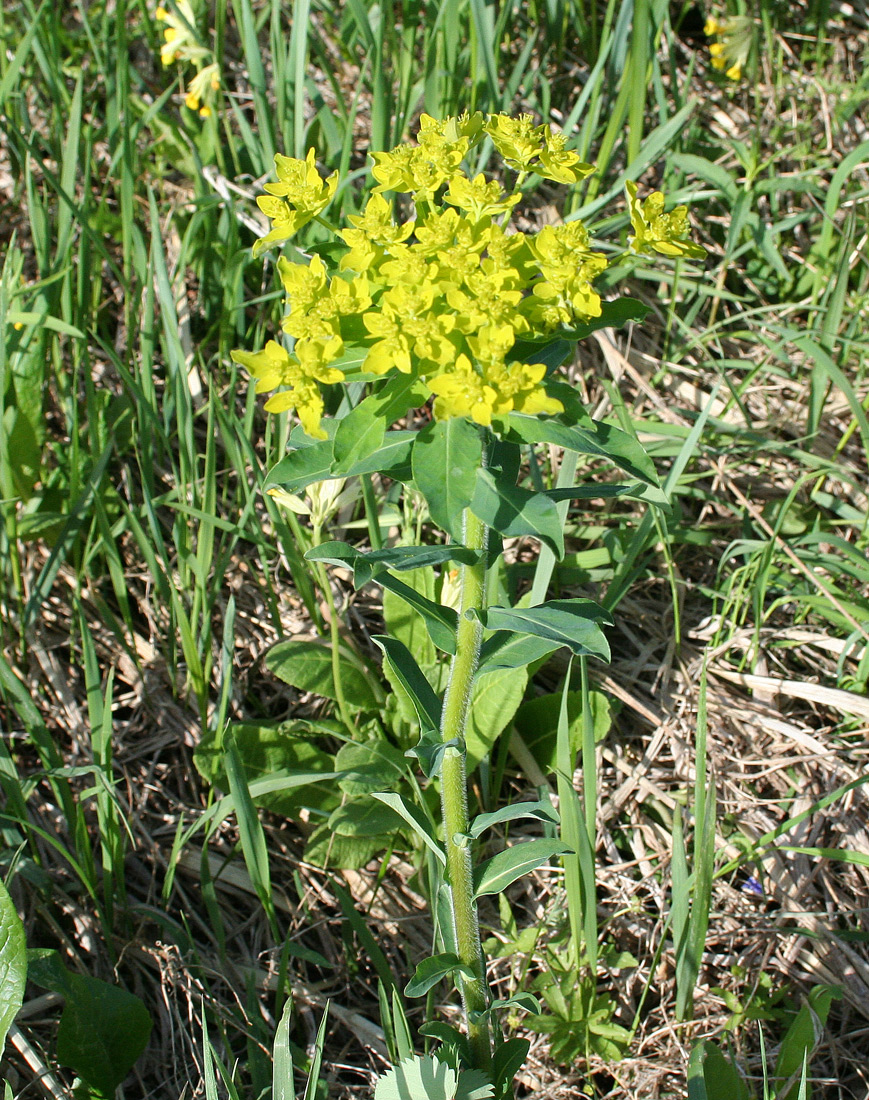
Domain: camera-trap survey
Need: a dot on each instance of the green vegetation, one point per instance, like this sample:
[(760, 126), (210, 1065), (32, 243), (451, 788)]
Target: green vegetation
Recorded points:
[(196, 719)]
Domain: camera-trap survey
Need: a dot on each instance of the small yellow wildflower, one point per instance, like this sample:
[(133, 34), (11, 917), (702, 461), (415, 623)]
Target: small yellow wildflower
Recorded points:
[(274, 366), (735, 35), (297, 198), (655, 231), (518, 140), (480, 198), (180, 41), (558, 163), (200, 91), (462, 392)]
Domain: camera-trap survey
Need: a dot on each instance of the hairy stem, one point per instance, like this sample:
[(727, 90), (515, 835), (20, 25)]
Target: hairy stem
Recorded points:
[(455, 797)]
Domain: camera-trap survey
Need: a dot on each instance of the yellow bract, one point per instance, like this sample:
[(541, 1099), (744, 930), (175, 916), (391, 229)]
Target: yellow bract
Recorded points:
[(655, 231), (297, 198)]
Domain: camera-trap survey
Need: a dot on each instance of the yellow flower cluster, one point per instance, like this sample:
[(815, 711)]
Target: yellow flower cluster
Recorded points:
[(655, 231), (443, 296), (730, 53), (181, 43)]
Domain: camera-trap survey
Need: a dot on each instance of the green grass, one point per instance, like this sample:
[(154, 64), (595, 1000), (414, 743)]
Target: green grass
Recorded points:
[(143, 573)]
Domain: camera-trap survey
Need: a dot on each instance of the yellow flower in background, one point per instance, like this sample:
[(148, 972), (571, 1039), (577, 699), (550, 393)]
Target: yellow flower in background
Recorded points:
[(201, 90), (730, 53), (181, 42), (655, 231)]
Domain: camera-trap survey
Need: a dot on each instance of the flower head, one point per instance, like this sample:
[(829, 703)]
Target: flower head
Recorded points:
[(297, 198), (735, 35), (180, 40), (655, 231), (201, 90)]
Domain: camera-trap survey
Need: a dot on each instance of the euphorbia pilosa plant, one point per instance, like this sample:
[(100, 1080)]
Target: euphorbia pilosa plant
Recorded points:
[(438, 297)]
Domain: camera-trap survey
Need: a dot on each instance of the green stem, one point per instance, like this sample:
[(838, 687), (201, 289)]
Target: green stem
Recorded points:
[(335, 633), (455, 797)]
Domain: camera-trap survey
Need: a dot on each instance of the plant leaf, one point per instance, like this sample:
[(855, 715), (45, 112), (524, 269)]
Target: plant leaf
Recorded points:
[(446, 456), (542, 811), (307, 666), (712, 1076), (514, 511), (417, 821), (432, 970), (13, 963), (301, 467), (495, 698), (508, 650), (411, 678), (418, 1078), (361, 432), (497, 873), (602, 439), (102, 1032), (571, 623)]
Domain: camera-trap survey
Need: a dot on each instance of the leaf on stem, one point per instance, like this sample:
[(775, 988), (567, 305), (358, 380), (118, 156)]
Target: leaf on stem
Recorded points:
[(571, 623), (497, 873), (512, 511)]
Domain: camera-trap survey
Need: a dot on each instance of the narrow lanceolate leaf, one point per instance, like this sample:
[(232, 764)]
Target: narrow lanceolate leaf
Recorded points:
[(446, 456), (497, 873), (399, 558), (432, 970), (408, 673), (512, 511), (283, 1086), (417, 821), (542, 811), (13, 963), (602, 439), (571, 623)]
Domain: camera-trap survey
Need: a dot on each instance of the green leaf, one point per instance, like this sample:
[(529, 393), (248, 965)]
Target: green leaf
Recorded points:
[(432, 970), (400, 666), (13, 963), (507, 1060), (418, 1078), (474, 1085), (286, 748), (408, 626), (283, 1086), (508, 650), (369, 766), (602, 439), (803, 1038), (571, 623), (512, 511), (366, 565), (526, 1001), (446, 457), (325, 848), (392, 458), (441, 622), (361, 432), (711, 1076), (537, 722), (301, 468), (364, 816), (648, 494), (307, 666), (102, 1033), (541, 811), (495, 698), (497, 873), (416, 819)]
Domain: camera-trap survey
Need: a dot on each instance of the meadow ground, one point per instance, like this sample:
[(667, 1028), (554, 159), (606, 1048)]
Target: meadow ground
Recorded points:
[(144, 574)]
